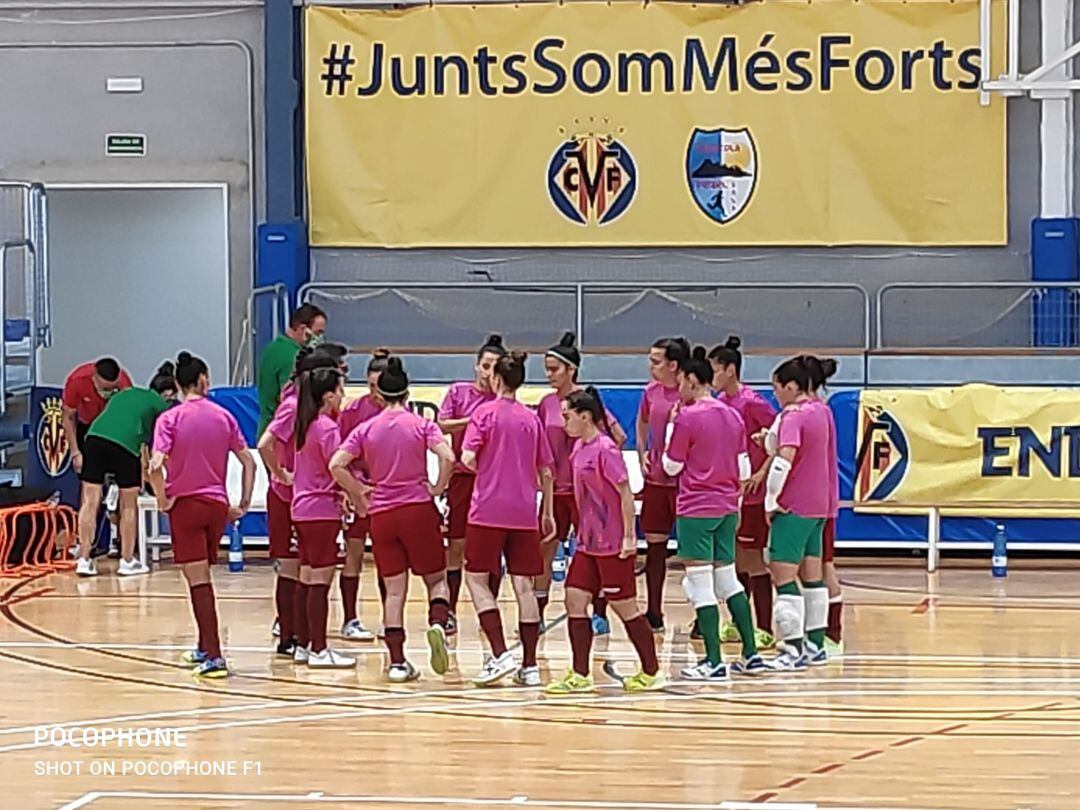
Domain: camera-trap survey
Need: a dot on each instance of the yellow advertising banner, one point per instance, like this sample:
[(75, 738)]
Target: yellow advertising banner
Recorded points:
[(802, 123), (978, 449)]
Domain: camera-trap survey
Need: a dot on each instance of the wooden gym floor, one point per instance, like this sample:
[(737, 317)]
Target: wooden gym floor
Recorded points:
[(956, 692)]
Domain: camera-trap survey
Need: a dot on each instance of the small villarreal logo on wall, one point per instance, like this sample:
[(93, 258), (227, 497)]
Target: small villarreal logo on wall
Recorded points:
[(721, 170), (591, 178), (882, 457), (52, 444)]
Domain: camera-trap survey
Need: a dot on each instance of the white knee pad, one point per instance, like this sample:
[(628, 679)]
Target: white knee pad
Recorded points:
[(789, 616), (698, 586), (726, 582), (817, 608)]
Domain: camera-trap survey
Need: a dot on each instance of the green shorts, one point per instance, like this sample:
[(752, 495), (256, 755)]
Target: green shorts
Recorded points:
[(792, 538), (708, 539)]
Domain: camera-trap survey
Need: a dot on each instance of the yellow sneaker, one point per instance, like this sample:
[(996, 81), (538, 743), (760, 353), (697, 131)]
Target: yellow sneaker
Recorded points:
[(571, 684), (729, 633), (764, 639), (643, 682)]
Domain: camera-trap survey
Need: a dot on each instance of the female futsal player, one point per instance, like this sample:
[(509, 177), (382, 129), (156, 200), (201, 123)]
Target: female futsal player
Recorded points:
[(658, 496), (192, 443), (561, 365), (506, 446), (460, 402), (406, 534), (707, 450), (606, 548)]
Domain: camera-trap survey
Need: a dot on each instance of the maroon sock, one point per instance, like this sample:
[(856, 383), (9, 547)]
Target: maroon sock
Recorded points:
[(641, 636), (542, 603), (836, 621), (395, 643), (744, 580), (318, 605), (350, 589), (453, 579), (655, 571), (491, 624), (300, 617), (761, 591), (438, 612), (202, 603), (530, 638), (382, 589), (284, 594), (581, 643), (494, 583), (599, 606)]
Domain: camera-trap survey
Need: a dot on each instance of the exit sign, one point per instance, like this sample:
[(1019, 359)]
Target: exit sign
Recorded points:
[(125, 145)]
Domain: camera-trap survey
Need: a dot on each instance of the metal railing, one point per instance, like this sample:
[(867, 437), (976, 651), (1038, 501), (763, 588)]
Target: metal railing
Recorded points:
[(279, 319), (28, 246)]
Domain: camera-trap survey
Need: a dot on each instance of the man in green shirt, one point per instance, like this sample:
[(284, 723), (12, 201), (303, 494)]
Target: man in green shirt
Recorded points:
[(306, 326)]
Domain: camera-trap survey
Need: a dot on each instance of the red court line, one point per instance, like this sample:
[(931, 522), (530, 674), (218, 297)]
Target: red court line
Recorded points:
[(832, 766), (867, 754), (790, 783), (764, 797), (908, 741)]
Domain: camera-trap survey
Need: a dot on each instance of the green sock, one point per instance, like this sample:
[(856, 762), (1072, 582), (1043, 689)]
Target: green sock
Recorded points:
[(739, 605), (708, 619)]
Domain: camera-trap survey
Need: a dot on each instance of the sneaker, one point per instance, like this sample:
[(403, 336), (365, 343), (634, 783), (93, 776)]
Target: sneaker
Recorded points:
[(355, 631), (402, 673), (132, 568), (451, 626), (194, 657), (528, 676), (815, 655), (275, 631), (656, 621), (788, 661), (834, 649), (301, 655), (86, 568), (764, 639), (729, 633), (704, 671), (329, 659), (643, 682), (754, 665), (436, 639), (600, 626), (571, 684), (495, 669), (287, 649), (211, 668)]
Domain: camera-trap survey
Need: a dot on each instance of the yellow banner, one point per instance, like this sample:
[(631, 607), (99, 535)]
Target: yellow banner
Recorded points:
[(822, 123), (976, 449)]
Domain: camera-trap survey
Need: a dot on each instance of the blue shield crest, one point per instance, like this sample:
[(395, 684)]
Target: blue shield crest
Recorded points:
[(721, 171)]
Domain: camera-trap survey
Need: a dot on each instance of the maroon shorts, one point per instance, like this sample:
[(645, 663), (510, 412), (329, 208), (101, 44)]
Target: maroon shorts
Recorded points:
[(753, 530), (318, 542), (408, 538), (657, 510), (280, 527), (197, 525), (359, 528), (485, 546), (566, 515), (828, 541), (459, 499), (610, 576)]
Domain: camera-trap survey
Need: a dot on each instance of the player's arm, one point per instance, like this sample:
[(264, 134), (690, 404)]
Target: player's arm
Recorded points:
[(779, 469), (268, 452), (445, 455), (339, 469), (626, 501), (247, 484), (68, 423)]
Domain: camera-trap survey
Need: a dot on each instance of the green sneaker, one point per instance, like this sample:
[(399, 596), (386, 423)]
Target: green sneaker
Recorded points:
[(571, 684), (643, 682), (729, 633), (834, 649), (764, 639)]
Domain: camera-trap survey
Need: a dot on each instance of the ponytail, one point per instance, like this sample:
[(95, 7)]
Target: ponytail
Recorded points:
[(697, 365), (588, 400), (313, 387)]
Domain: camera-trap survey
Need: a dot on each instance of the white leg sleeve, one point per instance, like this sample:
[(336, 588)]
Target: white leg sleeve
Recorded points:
[(789, 616), (726, 582), (816, 601), (698, 585)]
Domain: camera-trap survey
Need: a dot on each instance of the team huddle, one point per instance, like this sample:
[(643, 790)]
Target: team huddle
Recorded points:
[(728, 475)]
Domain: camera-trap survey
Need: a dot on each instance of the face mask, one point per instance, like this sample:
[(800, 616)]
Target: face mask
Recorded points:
[(313, 340), (106, 393)]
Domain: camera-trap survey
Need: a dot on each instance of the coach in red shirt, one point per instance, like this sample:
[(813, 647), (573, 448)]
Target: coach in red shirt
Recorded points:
[(85, 392)]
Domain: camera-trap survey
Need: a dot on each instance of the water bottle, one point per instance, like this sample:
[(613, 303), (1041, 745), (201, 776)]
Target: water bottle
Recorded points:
[(558, 565), (999, 559), (236, 549)]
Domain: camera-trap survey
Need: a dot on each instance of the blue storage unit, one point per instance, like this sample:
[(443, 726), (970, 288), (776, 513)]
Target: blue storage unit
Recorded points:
[(1055, 257)]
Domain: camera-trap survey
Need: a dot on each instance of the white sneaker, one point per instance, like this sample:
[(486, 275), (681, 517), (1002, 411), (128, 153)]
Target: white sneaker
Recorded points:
[(704, 671), (86, 567), (527, 676), (356, 631), (301, 655), (402, 673), (495, 669), (275, 631), (132, 568), (328, 659)]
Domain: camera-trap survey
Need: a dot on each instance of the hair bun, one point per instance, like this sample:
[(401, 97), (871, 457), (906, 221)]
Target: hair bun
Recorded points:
[(380, 353), (733, 342), (569, 340), (183, 358), (394, 364), (519, 356), (167, 369), (699, 353), (828, 367), (494, 339)]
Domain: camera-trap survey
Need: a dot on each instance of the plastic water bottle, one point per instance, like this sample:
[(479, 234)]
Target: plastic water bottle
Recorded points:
[(999, 561), (236, 549), (558, 565)]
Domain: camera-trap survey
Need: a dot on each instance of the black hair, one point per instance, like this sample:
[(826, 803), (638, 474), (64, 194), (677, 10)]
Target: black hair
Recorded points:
[(588, 400), (821, 369), (566, 352), (697, 365), (108, 369), (493, 345), (305, 315), (314, 385), (510, 368), (393, 384), (327, 355), (676, 349), (379, 360), (164, 379), (728, 354), (809, 373), (189, 369)]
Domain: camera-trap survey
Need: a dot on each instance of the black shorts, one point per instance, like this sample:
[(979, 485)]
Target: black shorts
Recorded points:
[(103, 457)]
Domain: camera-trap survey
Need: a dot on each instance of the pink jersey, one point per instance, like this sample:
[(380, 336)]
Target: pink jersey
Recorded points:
[(598, 470), (316, 495), (808, 489), (510, 448), (460, 402), (550, 412), (834, 465), (757, 414), (282, 427), (356, 413), (393, 448), (197, 436), (708, 438), (656, 407)]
